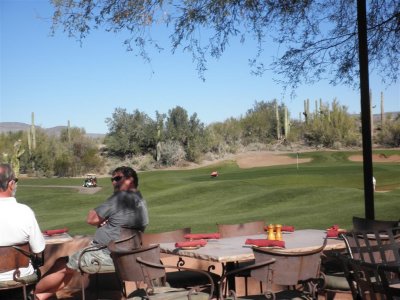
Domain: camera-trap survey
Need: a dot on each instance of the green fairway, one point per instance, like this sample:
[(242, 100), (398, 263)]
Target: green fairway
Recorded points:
[(326, 191)]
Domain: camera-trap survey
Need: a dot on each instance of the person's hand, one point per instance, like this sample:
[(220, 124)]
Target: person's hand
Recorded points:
[(103, 223)]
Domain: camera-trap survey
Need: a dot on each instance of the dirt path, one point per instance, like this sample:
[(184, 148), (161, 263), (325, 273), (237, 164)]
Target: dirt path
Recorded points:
[(81, 189)]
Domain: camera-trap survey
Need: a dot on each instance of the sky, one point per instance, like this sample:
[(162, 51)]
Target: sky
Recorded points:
[(61, 80)]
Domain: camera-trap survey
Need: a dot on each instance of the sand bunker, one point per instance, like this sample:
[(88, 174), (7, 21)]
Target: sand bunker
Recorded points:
[(378, 158), (265, 159)]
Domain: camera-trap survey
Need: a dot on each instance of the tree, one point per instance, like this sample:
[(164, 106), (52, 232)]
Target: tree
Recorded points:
[(260, 122), (319, 37), (177, 125), (130, 134), (333, 127)]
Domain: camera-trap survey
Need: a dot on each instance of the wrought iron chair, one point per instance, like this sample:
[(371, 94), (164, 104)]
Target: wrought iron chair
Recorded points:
[(379, 247), (334, 279), (373, 280), (178, 278), (16, 257), (242, 229), (297, 271), (143, 265), (129, 238)]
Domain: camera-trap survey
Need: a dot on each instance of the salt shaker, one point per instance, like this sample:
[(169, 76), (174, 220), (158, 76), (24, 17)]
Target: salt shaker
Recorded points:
[(278, 235), (271, 233)]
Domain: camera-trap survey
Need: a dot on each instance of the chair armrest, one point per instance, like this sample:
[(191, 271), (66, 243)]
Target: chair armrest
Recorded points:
[(163, 267), (95, 261), (283, 252)]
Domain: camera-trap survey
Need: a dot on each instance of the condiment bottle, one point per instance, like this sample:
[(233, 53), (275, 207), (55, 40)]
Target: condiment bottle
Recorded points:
[(278, 235), (271, 233)]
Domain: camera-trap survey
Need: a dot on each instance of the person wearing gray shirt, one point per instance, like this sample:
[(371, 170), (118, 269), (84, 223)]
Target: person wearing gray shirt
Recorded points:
[(126, 208)]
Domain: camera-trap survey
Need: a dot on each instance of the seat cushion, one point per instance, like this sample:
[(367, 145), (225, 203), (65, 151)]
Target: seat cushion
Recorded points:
[(336, 282), (282, 295), (30, 279), (96, 269), (167, 293)]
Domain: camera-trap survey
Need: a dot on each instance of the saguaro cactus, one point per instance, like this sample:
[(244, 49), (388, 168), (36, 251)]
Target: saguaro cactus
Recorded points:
[(16, 157), (278, 125), (69, 133), (287, 126), (306, 112), (32, 140), (33, 132), (382, 111)]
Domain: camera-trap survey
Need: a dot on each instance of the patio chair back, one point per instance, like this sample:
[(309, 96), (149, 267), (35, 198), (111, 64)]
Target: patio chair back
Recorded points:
[(372, 280), (154, 276), (289, 268), (12, 259), (241, 229), (165, 237), (363, 224), (379, 246)]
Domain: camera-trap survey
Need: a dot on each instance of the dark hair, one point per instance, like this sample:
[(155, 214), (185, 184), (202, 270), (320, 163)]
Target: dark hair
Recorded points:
[(6, 175), (131, 173), (128, 172), (118, 170)]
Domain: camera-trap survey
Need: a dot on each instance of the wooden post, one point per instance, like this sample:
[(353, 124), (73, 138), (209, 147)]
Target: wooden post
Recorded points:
[(365, 109)]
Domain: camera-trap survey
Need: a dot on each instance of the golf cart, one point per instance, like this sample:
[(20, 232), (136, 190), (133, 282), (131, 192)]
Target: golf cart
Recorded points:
[(90, 180)]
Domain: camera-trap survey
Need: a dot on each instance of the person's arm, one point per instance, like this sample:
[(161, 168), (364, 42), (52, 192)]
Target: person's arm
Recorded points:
[(93, 218)]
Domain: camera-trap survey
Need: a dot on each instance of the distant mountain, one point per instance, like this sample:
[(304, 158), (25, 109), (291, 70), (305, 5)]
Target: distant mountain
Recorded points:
[(17, 126)]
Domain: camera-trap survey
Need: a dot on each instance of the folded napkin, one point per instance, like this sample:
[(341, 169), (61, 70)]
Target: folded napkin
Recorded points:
[(265, 243), (195, 243), (334, 227), (199, 236), (287, 228), (55, 231), (332, 233)]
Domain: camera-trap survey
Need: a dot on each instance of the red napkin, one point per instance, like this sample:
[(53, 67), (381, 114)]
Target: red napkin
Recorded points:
[(287, 228), (199, 236), (55, 231), (195, 243), (265, 243), (332, 232), (334, 227)]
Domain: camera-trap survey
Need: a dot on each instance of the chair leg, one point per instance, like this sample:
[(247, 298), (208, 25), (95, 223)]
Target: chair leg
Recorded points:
[(97, 285), (24, 291), (83, 286), (245, 286)]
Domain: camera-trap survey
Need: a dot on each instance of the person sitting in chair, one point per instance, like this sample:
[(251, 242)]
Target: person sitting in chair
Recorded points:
[(124, 208), (18, 223)]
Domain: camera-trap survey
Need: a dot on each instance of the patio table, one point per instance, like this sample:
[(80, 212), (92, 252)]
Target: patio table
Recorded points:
[(228, 251), (57, 238)]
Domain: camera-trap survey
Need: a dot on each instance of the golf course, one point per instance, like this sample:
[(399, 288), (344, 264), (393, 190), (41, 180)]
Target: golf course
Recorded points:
[(306, 190)]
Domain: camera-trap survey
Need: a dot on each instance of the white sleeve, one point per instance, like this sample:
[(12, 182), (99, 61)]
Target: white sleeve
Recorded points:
[(36, 239)]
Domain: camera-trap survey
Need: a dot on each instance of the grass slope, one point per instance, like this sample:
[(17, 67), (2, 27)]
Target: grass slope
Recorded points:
[(326, 191)]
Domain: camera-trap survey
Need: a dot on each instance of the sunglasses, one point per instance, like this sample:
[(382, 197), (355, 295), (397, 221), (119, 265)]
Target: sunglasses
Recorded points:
[(116, 178), (15, 180)]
